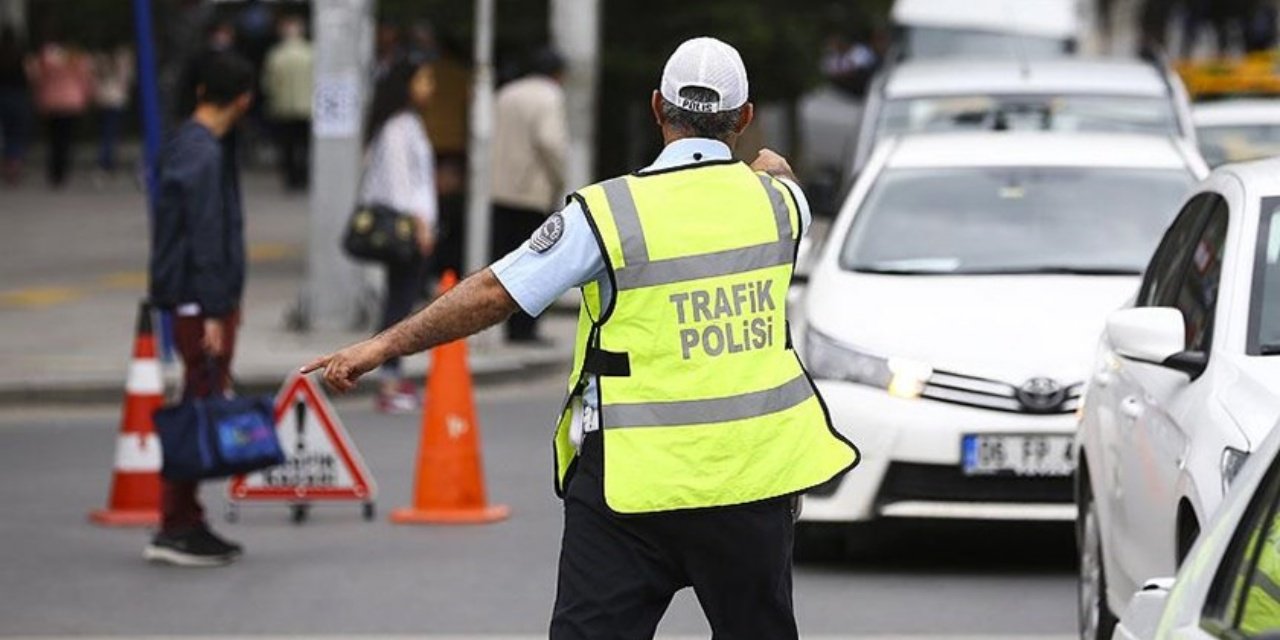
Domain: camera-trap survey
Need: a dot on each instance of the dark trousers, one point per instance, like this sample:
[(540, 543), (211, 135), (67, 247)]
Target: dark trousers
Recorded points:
[(111, 119), (294, 139), (512, 227), (180, 507), (618, 574), (405, 284), (62, 132)]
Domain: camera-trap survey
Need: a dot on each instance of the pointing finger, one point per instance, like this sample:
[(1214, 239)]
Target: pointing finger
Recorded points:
[(314, 365)]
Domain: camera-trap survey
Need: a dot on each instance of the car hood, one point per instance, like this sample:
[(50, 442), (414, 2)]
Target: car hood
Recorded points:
[(1250, 394), (1008, 328)]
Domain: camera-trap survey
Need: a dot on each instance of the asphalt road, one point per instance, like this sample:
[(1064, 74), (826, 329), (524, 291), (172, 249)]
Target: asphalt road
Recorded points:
[(337, 575)]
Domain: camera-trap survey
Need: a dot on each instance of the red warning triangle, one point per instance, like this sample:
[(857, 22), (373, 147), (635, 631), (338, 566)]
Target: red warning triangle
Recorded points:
[(321, 463)]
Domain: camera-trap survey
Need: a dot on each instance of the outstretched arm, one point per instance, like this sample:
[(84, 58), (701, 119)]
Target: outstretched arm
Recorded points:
[(477, 303)]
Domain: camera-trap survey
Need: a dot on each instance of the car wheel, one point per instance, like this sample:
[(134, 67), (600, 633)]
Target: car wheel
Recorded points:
[(1096, 619)]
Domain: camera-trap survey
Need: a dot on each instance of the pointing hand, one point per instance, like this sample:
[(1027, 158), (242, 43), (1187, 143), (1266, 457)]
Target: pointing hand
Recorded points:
[(343, 369)]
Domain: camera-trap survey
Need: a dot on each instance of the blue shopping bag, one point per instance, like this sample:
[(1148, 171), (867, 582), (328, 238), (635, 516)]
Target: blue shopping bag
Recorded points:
[(216, 437)]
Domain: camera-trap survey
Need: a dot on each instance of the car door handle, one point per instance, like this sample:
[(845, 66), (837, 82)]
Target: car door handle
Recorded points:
[(1131, 407)]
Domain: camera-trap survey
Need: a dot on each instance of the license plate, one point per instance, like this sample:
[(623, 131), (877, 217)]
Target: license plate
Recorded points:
[(1018, 455)]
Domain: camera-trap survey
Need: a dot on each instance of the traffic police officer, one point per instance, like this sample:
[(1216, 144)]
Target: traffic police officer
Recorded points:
[(689, 426)]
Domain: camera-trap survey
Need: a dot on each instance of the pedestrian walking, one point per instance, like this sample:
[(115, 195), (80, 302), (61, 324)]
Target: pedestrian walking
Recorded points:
[(288, 88), (690, 425), (400, 174), (530, 141), (62, 81), (113, 83), (15, 106), (197, 271)]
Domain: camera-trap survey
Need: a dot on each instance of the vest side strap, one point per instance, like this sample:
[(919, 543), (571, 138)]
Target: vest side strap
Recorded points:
[(707, 265), (606, 363), (714, 411)]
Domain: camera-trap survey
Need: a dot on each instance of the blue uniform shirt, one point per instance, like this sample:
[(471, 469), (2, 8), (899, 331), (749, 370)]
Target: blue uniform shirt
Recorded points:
[(536, 279)]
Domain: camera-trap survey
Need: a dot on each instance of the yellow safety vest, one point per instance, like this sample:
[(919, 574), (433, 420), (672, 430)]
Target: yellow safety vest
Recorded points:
[(702, 402), (1262, 602)]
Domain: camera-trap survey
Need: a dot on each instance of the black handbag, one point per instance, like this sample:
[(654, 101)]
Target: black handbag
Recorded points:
[(376, 233)]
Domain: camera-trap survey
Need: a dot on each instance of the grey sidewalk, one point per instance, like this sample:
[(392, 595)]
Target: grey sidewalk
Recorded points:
[(73, 265)]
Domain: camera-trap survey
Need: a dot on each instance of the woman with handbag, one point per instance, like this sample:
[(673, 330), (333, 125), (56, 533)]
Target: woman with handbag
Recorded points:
[(399, 175)]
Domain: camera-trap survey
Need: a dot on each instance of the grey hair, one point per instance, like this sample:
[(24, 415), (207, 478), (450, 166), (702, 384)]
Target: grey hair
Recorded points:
[(719, 125)]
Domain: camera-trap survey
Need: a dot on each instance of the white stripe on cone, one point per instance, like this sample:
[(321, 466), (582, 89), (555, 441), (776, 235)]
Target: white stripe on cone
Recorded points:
[(136, 452), (145, 378)]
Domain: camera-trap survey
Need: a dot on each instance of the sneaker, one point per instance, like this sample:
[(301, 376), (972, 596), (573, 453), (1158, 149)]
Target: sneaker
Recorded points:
[(189, 548), (228, 547)]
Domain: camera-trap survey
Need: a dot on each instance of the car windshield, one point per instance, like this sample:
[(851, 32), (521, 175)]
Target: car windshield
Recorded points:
[(1013, 220), (1220, 145), (1266, 298), (1118, 114), (935, 42)]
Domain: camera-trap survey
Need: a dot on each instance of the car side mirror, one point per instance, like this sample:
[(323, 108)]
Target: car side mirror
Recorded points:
[(1154, 335), (1142, 615)]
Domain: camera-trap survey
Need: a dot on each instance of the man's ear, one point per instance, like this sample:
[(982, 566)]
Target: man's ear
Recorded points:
[(744, 120), (244, 101), (655, 103)]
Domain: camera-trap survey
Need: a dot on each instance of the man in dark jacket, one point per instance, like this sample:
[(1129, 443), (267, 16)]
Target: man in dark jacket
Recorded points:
[(197, 272)]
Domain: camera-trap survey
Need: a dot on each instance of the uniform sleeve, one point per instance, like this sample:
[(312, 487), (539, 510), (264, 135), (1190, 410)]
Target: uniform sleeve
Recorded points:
[(541, 270)]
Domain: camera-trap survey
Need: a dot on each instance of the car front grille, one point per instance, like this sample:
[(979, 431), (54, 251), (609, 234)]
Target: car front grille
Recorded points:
[(1039, 395), (945, 483)]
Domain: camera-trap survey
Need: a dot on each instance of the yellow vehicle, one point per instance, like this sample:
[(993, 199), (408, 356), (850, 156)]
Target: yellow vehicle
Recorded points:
[(1257, 74)]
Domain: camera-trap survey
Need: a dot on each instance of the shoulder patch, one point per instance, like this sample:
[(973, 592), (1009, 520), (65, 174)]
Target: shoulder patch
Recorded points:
[(548, 234)]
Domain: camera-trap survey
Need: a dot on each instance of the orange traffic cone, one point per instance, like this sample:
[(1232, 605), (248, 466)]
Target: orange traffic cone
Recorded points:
[(135, 488), (449, 486)]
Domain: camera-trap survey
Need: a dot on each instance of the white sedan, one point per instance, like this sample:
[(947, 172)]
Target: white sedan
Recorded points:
[(1186, 384), (949, 321), (1230, 585)]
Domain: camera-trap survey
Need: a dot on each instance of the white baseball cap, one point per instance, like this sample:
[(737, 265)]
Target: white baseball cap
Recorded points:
[(707, 63)]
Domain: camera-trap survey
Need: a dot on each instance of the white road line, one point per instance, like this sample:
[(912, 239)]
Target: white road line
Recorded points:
[(526, 637)]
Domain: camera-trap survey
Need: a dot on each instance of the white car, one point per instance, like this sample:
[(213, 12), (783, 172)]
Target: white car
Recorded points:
[(1186, 384), (1007, 28), (1229, 587), (1238, 130), (950, 318), (1112, 96)]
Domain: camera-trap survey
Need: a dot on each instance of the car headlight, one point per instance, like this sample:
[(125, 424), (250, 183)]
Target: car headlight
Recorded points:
[(1232, 461), (831, 360)]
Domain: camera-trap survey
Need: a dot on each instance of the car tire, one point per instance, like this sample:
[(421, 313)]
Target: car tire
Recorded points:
[(1097, 622)]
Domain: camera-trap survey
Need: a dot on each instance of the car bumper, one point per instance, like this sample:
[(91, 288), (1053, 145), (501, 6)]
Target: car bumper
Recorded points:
[(911, 457)]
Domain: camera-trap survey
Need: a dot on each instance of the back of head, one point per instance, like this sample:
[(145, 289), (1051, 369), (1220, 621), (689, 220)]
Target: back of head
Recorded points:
[(224, 77), (704, 89), (547, 62)]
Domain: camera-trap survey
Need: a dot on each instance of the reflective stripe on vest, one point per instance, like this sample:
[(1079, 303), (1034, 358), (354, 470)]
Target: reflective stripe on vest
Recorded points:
[(702, 402)]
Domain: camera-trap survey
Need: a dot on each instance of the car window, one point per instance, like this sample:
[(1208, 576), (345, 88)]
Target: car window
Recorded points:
[(1264, 314), (937, 42), (1244, 599), (1163, 272), (1111, 114), (1197, 294), (1101, 221), (1238, 143)]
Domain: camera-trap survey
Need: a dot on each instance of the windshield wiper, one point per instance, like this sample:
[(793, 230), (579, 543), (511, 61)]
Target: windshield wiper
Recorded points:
[(1070, 271), (892, 271)]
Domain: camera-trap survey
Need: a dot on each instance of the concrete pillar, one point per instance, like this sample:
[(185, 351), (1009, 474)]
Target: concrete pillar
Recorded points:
[(575, 32), (343, 32)]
